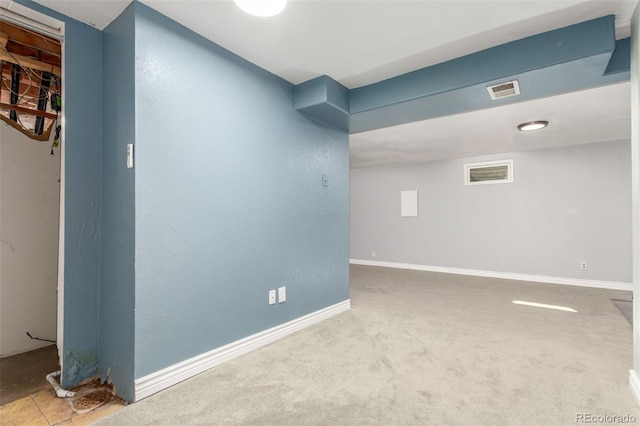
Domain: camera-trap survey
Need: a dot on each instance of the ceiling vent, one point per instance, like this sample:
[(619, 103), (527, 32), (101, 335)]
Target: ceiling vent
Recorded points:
[(504, 90)]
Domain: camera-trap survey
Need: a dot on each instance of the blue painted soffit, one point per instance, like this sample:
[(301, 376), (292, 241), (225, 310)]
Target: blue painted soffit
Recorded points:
[(573, 58)]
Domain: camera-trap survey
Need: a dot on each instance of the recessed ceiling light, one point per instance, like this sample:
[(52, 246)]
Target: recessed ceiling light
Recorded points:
[(533, 125), (262, 8)]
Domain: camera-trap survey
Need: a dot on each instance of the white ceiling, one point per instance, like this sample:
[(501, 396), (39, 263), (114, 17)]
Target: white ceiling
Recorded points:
[(597, 115), (359, 42)]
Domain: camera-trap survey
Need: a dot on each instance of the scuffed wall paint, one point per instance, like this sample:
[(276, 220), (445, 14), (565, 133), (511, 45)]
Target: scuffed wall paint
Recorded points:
[(80, 364)]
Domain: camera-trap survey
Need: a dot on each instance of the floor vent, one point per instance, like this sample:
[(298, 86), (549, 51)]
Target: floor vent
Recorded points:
[(504, 90), (91, 401)]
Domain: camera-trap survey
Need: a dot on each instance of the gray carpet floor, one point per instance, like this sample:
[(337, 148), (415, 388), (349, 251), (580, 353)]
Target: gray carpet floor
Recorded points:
[(421, 348)]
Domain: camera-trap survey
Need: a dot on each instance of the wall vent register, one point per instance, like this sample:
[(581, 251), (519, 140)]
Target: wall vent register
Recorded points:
[(504, 90), (488, 172)]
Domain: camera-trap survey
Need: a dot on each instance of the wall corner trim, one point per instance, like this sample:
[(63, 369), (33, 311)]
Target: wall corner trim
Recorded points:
[(634, 384), (610, 285), (162, 379)]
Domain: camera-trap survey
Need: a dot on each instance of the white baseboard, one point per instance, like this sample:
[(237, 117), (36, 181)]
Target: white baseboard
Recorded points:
[(611, 285), (634, 384), (155, 382)]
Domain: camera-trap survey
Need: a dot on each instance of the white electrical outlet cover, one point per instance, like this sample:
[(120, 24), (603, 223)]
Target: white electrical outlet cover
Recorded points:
[(282, 294)]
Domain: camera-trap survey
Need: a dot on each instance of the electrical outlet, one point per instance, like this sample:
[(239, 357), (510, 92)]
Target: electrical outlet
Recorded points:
[(272, 297), (373, 253), (583, 265), (282, 294)]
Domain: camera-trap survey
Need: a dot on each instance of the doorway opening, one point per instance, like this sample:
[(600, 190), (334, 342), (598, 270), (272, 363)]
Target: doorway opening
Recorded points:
[(31, 178)]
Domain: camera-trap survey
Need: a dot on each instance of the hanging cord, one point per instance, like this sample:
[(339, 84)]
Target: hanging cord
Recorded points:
[(56, 137), (56, 107), (38, 338)]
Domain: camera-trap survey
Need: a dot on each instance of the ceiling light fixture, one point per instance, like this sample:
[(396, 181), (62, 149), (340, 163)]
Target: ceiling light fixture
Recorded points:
[(533, 125), (262, 8)]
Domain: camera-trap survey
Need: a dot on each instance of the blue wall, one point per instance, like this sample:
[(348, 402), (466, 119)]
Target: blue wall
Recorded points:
[(225, 203), (229, 198), (83, 140), (117, 286), (564, 60)]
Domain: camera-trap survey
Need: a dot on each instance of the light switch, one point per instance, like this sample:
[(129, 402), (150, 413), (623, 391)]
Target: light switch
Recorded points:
[(129, 156), (325, 181)]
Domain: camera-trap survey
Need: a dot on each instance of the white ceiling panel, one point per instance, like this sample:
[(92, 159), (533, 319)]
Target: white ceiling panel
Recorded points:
[(596, 115)]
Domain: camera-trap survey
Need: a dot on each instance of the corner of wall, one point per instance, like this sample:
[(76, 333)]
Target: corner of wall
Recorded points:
[(117, 220), (635, 178)]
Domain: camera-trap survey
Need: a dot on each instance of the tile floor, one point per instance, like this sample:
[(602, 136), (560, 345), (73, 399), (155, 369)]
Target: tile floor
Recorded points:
[(24, 374), (44, 408), (26, 398)]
